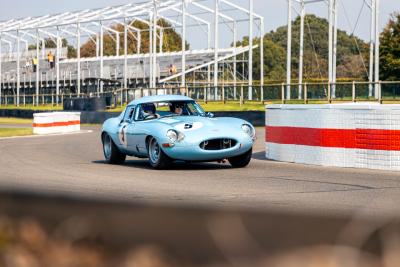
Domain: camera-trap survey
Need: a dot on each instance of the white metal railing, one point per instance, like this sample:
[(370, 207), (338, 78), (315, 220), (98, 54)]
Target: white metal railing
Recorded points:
[(356, 91)]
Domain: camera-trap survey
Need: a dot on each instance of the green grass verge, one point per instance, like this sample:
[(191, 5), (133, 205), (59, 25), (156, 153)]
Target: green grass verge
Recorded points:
[(216, 106), (220, 106), (31, 107), (232, 106), (15, 121), (255, 106), (11, 132)]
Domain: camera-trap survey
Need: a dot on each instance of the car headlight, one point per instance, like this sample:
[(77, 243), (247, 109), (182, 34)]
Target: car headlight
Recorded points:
[(248, 130), (175, 136)]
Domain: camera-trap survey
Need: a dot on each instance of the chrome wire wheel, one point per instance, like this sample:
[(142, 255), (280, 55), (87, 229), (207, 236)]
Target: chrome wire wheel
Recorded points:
[(107, 146), (154, 150)]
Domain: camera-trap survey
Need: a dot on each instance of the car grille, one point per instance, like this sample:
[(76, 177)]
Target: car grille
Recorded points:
[(218, 144)]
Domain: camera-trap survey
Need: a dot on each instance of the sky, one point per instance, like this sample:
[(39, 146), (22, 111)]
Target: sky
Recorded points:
[(273, 11)]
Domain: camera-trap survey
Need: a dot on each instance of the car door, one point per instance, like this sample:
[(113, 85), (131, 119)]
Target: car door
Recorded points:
[(134, 131), (137, 134), (124, 127)]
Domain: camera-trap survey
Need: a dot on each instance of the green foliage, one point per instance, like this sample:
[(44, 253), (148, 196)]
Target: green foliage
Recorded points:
[(49, 43), (172, 41), (349, 61), (390, 49)]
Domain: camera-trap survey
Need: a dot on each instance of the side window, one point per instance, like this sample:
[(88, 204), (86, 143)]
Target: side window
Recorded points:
[(139, 114), (130, 111), (146, 112)]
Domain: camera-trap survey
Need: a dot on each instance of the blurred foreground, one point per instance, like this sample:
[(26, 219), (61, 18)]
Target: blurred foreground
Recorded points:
[(40, 231)]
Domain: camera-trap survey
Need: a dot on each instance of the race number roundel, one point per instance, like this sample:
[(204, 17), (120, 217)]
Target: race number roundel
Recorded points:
[(122, 134)]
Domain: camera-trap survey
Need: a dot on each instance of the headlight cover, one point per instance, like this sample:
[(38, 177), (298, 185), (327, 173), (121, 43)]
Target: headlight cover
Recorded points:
[(249, 130), (175, 136)]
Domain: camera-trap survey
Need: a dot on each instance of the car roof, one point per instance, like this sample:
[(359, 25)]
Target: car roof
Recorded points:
[(160, 98)]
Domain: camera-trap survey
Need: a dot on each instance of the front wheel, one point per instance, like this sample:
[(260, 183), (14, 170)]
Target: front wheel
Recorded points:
[(111, 151), (241, 161), (157, 158)]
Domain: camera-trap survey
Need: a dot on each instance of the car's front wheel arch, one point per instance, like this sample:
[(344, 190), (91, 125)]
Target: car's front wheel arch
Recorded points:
[(103, 135), (148, 138), (158, 159), (111, 152)]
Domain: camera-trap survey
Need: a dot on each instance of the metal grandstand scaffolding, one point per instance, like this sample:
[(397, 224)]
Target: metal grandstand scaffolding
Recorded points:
[(24, 39), (332, 6)]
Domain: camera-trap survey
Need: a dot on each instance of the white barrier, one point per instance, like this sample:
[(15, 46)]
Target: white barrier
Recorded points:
[(343, 135), (56, 122)]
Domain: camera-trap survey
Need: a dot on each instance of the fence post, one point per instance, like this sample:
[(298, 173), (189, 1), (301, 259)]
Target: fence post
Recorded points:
[(52, 100), (380, 92), (241, 95), (223, 94), (122, 97), (262, 93), (329, 92), (283, 93), (353, 92), (205, 94), (305, 94)]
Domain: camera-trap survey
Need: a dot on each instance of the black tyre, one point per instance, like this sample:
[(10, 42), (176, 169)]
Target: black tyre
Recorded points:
[(111, 151), (157, 158), (241, 161)]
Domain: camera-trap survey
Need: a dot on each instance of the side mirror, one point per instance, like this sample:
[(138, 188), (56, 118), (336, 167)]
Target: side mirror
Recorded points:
[(210, 115), (124, 121)]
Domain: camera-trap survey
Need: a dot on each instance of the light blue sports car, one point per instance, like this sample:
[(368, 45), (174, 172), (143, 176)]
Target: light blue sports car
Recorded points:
[(172, 128)]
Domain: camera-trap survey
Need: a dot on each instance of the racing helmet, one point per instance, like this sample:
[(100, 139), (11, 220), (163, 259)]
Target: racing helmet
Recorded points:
[(174, 105), (149, 108)]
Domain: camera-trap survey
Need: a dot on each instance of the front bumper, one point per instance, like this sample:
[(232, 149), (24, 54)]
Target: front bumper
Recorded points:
[(191, 151)]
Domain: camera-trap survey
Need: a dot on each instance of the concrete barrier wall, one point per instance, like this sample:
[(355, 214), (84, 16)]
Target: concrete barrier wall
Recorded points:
[(342, 135), (19, 113), (257, 118), (56, 122)]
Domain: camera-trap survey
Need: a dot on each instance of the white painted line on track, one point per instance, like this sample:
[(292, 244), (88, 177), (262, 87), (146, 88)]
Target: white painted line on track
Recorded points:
[(45, 135)]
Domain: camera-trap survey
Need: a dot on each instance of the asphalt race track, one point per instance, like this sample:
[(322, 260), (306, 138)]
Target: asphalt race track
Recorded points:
[(73, 166)]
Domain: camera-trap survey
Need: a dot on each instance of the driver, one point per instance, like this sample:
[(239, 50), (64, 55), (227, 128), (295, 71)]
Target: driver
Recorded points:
[(149, 111), (176, 108)]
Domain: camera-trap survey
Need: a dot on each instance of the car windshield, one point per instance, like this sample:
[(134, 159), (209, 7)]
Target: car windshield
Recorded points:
[(179, 108), (169, 109)]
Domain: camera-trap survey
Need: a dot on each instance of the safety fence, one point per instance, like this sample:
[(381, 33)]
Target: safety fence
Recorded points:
[(385, 91)]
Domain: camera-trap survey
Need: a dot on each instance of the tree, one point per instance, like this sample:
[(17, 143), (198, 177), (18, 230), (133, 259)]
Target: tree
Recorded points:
[(390, 49), (349, 61), (172, 41), (49, 43), (274, 55)]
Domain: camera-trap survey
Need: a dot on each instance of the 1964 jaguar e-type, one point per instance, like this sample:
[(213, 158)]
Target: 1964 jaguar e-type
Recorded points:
[(172, 128)]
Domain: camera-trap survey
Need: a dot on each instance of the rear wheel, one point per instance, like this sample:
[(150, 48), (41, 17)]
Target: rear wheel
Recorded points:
[(157, 158), (111, 151), (241, 161)]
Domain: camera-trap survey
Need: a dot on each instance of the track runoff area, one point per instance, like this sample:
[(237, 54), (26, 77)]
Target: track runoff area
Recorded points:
[(74, 166)]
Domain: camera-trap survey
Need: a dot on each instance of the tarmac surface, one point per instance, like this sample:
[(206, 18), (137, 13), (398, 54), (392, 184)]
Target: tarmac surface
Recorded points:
[(73, 166)]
